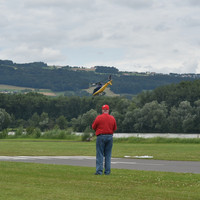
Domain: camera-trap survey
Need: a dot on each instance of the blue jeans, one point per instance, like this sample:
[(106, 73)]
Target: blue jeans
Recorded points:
[(104, 145)]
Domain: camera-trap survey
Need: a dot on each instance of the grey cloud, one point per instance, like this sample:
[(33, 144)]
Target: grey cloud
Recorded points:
[(189, 66), (194, 2), (162, 27), (190, 21), (29, 54), (62, 4), (135, 4), (187, 3), (90, 36), (116, 36)]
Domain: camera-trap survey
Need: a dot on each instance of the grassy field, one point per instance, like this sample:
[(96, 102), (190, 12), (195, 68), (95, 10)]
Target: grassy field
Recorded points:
[(22, 181), (168, 151), (11, 88)]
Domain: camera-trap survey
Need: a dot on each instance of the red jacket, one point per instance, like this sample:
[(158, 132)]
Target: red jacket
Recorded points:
[(104, 124)]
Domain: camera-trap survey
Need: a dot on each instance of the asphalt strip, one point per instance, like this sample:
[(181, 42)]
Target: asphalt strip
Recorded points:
[(118, 163)]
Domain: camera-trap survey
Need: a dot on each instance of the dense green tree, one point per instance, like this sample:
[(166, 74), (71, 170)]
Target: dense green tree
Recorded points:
[(5, 119), (151, 118), (84, 121), (76, 124), (181, 118), (62, 122), (104, 69), (129, 122), (34, 120), (88, 118), (119, 120), (172, 94), (44, 121), (195, 118)]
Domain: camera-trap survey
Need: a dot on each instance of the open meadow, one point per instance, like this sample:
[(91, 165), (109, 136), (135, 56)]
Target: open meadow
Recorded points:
[(17, 89), (20, 181)]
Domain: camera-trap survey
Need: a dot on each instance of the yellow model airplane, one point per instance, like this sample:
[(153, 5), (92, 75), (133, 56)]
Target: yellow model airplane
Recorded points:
[(101, 90)]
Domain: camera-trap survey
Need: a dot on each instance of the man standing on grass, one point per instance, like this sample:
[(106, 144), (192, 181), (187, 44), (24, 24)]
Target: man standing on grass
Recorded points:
[(104, 125)]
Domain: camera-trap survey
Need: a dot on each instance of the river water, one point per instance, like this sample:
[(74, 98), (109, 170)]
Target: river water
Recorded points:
[(152, 135)]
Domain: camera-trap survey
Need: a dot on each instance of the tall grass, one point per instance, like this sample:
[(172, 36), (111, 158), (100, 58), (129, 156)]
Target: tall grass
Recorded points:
[(35, 133), (59, 134)]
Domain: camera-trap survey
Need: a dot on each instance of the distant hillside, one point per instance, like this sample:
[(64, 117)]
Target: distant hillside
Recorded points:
[(77, 80)]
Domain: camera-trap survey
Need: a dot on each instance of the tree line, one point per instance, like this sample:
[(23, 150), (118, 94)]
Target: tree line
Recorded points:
[(168, 109)]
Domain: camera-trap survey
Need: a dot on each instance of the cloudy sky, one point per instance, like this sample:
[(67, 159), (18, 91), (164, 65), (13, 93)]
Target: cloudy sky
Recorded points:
[(131, 35)]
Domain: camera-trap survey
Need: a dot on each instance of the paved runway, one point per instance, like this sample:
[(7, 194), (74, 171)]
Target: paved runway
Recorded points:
[(119, 163)]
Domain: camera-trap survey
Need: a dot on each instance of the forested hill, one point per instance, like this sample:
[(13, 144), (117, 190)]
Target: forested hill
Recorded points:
[(66, 78)]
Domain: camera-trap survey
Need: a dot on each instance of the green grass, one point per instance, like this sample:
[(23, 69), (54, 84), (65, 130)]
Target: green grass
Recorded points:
[(185, 152), (28, 181), (160, 151)]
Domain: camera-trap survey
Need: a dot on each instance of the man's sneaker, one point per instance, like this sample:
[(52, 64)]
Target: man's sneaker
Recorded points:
[(96, 173)]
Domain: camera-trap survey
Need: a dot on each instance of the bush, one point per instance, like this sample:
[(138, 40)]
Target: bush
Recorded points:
[(3, 134), (36, 133), (19, 131), (57, 134), (87, 134), (30, 130)]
